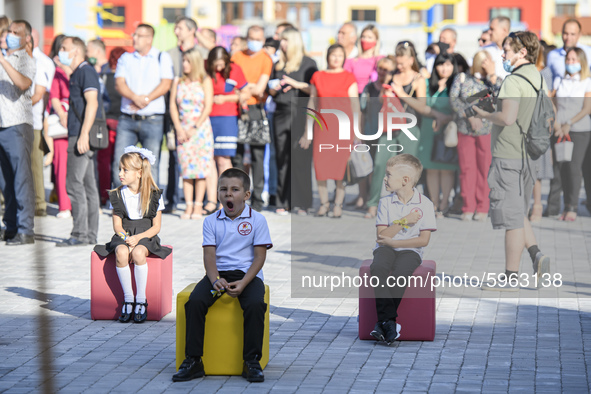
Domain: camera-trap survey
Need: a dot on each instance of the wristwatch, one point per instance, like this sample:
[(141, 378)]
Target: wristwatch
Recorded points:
[(147, 99)]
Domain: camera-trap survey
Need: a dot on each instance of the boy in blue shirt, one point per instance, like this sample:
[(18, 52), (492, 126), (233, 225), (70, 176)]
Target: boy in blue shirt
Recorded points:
[(235, 243), (404, 223)]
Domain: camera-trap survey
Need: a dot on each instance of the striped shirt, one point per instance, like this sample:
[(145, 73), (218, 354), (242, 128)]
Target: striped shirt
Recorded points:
[(15, 104)]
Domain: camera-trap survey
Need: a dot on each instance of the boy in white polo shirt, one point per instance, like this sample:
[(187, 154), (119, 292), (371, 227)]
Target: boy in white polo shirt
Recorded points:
[(404, 223), (235, 243)]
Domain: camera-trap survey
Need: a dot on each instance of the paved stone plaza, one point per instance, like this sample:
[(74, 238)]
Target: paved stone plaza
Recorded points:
[(492, 344)]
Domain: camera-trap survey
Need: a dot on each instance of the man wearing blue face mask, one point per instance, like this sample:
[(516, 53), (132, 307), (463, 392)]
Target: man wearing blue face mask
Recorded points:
[(256, 65), (510, 176), (17, 71), (85, 105), (499, 30)]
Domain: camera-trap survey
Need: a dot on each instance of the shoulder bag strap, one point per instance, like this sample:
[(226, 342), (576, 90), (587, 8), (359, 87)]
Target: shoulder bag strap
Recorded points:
[(100, 104), (412, 90)]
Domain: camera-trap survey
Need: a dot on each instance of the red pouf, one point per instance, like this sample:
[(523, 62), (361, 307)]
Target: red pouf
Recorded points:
[(416, 313)]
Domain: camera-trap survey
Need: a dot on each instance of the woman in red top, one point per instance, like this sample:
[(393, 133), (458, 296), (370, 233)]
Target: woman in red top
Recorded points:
[(228, 79), (333, 88), (59, 95)]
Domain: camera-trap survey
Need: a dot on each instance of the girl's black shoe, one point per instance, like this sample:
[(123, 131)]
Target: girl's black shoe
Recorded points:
[(141, 317), (126, 317)]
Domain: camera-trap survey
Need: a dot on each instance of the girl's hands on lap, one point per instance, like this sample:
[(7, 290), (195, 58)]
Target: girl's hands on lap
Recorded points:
[(132, 241)]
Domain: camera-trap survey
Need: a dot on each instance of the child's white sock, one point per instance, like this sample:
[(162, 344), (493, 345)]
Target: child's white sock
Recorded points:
[(124, 274), (141, 281)]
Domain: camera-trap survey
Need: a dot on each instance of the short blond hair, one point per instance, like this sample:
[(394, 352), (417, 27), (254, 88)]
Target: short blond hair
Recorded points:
[(407, 160)]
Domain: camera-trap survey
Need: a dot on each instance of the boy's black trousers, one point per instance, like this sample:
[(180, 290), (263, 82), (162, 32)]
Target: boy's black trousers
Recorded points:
[(388, 262), (252, 301)]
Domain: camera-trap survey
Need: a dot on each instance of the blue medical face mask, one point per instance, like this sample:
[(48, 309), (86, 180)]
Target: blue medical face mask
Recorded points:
[(13, 41), (507, 65), (64, 58), (255, 46), (573, 68)]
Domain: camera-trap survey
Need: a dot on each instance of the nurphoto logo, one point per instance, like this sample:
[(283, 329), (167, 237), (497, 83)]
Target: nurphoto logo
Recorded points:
[(395, 121)]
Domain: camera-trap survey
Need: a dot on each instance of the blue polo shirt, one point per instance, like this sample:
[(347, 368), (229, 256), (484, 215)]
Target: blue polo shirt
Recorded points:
[(234, 240), (142, 75), (83, 79)]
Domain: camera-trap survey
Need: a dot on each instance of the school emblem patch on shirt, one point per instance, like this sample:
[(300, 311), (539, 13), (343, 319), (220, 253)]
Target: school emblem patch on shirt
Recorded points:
[(244, 228), (417, 210)]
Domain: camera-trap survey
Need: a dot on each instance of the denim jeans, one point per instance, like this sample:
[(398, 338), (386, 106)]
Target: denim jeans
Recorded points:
[(17, 178), (148, 132)]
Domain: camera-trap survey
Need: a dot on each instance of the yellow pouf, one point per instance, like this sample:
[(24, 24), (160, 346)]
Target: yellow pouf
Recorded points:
[(224, 338)]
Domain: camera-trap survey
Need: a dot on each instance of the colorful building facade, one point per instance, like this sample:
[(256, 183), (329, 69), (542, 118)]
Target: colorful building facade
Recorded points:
[(120, 17)]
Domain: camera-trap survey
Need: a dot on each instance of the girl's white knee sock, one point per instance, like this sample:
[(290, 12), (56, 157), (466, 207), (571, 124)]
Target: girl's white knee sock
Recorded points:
[(141, 281), (124, 274)]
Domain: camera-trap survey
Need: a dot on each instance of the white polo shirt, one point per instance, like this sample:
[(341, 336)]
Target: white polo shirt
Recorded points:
[(234, 240), (43, 77), (390, 208)]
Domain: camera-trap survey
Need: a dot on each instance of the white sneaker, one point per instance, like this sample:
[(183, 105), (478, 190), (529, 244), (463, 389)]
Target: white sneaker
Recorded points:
[(64, 214)]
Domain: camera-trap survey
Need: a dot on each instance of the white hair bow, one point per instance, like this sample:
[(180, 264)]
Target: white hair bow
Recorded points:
[(144, 153)]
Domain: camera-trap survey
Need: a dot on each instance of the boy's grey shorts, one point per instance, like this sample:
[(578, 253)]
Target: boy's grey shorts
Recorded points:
[(507, 180)]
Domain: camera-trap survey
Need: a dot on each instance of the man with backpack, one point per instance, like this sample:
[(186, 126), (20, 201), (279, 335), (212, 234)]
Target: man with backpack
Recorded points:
[(142, 78), (521, 130)]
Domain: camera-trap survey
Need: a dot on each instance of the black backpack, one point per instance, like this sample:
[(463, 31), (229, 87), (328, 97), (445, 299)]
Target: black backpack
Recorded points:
[(537, 137)]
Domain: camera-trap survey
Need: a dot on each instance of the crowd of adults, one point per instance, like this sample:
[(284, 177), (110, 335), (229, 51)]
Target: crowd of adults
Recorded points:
[(198, 95)]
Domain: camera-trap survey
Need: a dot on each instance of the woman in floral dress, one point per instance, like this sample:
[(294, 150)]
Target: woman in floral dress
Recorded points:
[(191, 100)]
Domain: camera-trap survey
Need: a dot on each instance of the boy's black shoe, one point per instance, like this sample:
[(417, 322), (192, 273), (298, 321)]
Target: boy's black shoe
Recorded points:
[(378, 332), (191, 368), (252, 371), (391, 331)]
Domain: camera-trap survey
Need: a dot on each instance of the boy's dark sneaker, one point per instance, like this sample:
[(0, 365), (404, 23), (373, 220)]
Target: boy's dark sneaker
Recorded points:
[(378, 332), (252, 371), (191, 368), (391, 331)]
